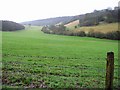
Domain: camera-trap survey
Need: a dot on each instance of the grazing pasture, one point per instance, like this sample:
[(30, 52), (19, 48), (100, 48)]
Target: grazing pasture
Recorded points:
[(32, 59), (104, 28)]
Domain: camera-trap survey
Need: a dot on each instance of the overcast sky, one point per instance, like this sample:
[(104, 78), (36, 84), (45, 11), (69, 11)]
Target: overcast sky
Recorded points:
[(27, 10)]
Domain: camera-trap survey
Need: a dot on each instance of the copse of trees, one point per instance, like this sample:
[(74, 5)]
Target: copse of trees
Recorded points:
[(11, 26), (61, 30), (54, 29)]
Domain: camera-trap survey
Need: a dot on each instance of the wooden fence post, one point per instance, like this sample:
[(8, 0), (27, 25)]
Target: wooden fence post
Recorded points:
[(109, 71)]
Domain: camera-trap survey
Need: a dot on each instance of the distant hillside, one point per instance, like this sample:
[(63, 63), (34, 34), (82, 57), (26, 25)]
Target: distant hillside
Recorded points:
[(88, 19), (11, 26), (52, 21)]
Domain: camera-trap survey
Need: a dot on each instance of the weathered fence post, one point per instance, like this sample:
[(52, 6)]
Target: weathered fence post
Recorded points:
[(109, 71)]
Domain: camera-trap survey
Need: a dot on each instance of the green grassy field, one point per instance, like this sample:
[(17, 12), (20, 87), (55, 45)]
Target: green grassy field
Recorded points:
[(32, 59)]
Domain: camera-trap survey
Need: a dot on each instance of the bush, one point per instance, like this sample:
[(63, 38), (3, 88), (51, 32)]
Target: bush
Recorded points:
[(75, 26), (81, 33), (99, 35), (113, 35)]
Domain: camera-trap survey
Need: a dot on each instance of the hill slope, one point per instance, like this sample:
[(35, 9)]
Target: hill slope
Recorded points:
[(52, 21), (104, 28)]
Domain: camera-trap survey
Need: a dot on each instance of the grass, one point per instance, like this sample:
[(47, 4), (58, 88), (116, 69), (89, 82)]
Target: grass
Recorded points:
[(32, 59), (72, 25), (104, 28)]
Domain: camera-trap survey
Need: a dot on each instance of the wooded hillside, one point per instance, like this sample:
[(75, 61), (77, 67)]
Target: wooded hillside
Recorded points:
[(11, 26)]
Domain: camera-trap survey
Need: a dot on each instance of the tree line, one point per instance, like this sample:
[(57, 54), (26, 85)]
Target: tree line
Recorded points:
[(11, 26), (61, 30)]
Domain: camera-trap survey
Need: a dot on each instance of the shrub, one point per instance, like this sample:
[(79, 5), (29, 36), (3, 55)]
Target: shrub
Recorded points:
[(75, 26), (81, 33), (99, 35), (115, 35)]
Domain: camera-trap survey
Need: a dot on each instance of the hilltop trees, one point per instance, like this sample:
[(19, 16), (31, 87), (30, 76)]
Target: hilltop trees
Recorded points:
[(11, 26), (96, 17)]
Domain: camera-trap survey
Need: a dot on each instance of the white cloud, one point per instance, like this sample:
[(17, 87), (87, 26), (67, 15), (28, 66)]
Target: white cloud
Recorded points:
[(25, 10)]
